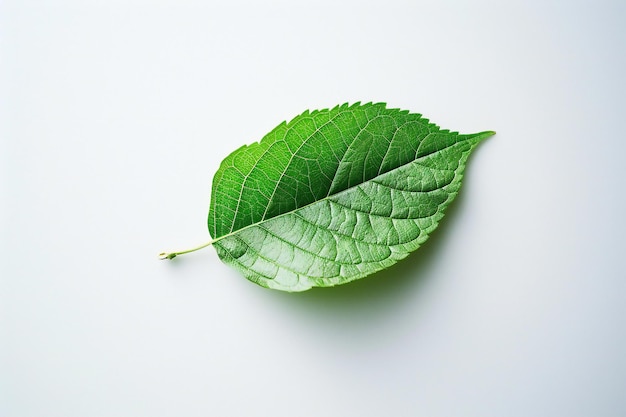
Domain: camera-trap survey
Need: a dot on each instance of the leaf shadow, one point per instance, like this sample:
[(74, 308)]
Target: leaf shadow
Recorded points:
[(378, 296)]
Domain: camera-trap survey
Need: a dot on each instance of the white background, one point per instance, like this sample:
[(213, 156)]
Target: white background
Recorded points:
[(114, 116)]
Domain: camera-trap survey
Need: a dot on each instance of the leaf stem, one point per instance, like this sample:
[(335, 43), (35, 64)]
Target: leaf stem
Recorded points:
[(172, 255)]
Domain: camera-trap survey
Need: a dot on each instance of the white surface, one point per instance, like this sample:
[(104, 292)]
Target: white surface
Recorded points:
[(115, 115)]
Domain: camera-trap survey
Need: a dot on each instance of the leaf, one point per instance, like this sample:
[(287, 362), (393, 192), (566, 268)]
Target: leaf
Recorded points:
[(335, 195)]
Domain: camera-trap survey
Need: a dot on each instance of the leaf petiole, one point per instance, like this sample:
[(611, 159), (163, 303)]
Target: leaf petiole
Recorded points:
[(172, 255)]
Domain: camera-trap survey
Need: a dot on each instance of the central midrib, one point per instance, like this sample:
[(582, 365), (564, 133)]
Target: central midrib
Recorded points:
[(477, 136)]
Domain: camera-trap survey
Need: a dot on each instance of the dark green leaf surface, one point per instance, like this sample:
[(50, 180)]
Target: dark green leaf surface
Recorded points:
[(335, 195)]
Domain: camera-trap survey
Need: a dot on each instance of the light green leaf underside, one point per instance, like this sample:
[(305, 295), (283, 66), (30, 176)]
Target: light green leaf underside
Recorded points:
[(335, 195)]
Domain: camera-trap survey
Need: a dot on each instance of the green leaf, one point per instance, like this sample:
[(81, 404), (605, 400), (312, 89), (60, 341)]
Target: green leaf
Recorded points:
[(334, 195)]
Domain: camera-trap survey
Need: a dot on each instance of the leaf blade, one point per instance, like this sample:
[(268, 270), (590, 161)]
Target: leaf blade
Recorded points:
[(366, 196)]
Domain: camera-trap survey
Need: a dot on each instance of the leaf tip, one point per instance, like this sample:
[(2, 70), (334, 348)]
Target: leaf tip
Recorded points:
[(485, 135)]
